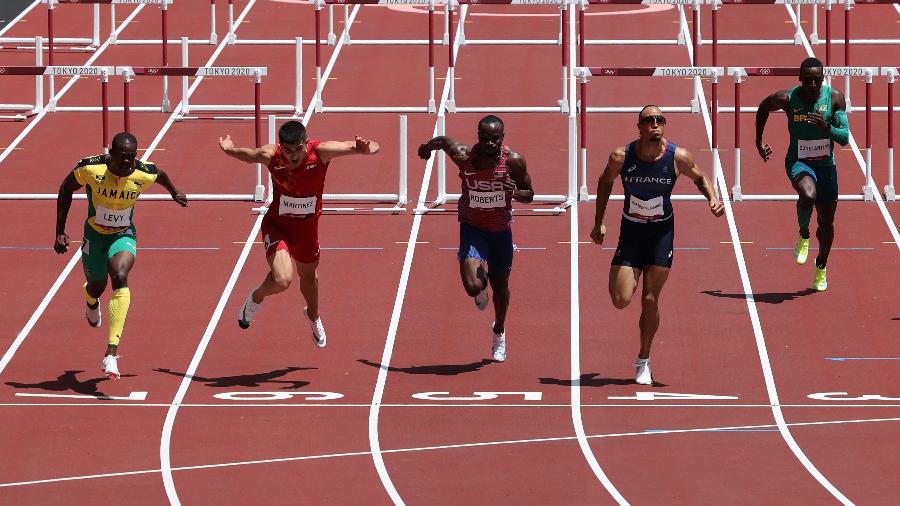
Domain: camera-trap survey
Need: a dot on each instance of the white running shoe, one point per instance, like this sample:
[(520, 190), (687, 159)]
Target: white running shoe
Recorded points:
[(482, 299), (642, 371), (93, 315), (498, 350), (318, 330), (247, 312), (110, 366)]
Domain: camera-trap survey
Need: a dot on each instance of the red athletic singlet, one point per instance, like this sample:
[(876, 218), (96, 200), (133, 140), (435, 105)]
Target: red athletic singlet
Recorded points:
[(297, 190), (484, 203)]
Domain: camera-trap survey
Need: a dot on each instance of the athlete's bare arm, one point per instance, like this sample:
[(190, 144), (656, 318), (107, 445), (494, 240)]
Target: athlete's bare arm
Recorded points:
[(69, 186), (685, 164), (518, 180), (604, 189), (332, 149), (249, 155), (457, 152), (780, 100), (163, 179)]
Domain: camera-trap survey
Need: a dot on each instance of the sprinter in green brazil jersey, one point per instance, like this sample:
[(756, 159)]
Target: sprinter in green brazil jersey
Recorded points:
[(816, 120)]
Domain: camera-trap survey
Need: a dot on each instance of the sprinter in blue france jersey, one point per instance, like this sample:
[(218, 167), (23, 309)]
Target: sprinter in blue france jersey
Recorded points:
[(648, 168)]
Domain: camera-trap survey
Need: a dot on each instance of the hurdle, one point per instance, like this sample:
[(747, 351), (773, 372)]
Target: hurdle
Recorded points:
[(24, 111), (740, 73), (257, 73), (891, 73), (399, 199), (102, 72), (585, 73), (799, 35), (679, 37)]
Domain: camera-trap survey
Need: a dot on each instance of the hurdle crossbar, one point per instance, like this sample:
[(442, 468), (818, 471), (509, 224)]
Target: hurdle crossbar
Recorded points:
[(103, 72), (585, 73), (256, 73), (740, 73), (399, 199)]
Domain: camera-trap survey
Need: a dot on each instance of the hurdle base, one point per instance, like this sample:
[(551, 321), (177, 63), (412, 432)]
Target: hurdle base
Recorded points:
[(451, 105), (736, 195), (868, 194), (695, 106), (432, 108), (889, 193), (260, 193), (563, 106), (213, 39)]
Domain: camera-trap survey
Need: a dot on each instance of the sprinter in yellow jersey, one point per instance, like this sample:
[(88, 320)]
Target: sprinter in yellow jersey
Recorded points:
[(114, 182)]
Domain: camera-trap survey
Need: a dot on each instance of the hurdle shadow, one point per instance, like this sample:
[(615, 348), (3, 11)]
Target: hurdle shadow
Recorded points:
[(594, 380), (69, 382), (247, 380), (437, 370), (765, 298)]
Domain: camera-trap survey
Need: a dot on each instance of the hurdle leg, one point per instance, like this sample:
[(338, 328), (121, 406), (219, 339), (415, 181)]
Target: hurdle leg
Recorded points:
[(213, 37), (404, 154), (39, 79), (889, 193)]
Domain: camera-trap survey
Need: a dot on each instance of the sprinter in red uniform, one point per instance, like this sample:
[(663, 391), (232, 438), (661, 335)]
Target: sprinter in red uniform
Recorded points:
[(290, 228), (492, 177)]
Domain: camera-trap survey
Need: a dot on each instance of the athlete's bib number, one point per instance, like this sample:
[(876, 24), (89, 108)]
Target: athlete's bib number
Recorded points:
[(816, 148), (296, 206), (647, 209), (112, 217), (487, 200)]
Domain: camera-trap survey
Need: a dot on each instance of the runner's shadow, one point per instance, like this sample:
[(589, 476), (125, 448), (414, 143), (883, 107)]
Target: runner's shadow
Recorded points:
[(246, 380), (69, 382), (438, 370), (766, 298), (593, 380)]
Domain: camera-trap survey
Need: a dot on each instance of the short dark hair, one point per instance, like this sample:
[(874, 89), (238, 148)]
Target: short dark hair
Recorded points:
[(292, 132), (121, 139), (648, 106), (810, 63), (490, 119)]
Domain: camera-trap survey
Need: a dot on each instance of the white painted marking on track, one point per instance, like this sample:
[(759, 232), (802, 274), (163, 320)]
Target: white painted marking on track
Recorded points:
[(166, 436), (411, 243), (133, 396), (751, 303), (11, 351), (280, 395), (423, 9), (656, 433)]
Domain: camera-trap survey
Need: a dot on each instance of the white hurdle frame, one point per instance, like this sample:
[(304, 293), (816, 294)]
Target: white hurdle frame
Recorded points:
[(585, 73), (741, 73), (400, 198)]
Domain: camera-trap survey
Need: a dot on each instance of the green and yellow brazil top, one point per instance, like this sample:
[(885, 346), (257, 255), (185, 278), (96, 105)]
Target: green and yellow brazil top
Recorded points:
[(809, 143)]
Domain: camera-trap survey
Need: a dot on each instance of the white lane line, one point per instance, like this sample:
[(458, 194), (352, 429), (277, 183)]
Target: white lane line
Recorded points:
[(765, 363), (716, 430), (20, 16), (165, 442), (888, 219), (39, 311), (378, 394)]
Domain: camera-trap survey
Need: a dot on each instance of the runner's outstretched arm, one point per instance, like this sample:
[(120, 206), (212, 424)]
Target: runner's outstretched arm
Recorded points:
[(249, 155)]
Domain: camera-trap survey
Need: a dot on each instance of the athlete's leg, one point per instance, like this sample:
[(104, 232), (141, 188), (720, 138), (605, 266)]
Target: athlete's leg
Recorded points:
[(825, 231), (500, 285), (805, 185), (281, 273), (119, 266), (654, 279), (309, 287), (473, 276), (623, 282)]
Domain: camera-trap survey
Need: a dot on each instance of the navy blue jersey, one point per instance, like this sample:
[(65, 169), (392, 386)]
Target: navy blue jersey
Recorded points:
[(648, 185)]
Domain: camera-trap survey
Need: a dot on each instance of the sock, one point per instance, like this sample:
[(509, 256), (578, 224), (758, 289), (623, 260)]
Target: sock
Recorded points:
[(118, 309), (804, 215), (90, 300), (641, 361)]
